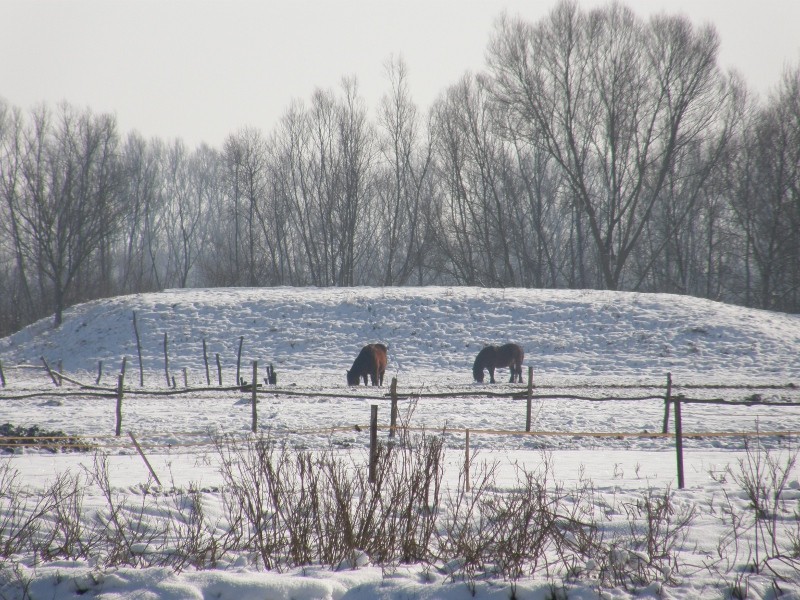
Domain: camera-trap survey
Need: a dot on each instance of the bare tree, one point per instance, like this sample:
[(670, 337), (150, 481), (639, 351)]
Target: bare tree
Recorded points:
[(541, 221), (69, 202), (355, 206), (19, 305), (188, 189), (767, 199), (403, 188), (323, 176), (484, 224), (140, 235), (246, 183), (614, 102), (458, 213)]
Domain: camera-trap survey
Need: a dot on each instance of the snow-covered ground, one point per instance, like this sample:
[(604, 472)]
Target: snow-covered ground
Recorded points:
[(590, 345)]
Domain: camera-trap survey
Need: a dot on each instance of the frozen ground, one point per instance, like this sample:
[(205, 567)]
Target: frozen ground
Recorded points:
[(586, 344)]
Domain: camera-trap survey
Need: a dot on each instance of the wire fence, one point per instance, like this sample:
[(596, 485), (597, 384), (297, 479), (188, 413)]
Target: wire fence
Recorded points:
[(529, 393)]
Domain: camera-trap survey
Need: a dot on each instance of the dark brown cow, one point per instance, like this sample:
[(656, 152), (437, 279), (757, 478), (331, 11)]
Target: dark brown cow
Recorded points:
[(371, 361), (493, 357)]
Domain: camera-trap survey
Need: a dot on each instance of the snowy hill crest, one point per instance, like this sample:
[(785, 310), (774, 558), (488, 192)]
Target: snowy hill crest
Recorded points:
[(431, 331)]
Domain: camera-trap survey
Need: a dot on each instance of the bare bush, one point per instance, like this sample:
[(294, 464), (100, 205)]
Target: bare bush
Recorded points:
[(21, 515), (771, 524), (537, 527), (248, 504), (295, 508), (191, 540), (464, 542), (68, 534), (284, 508), (540, 526), (658, 528), (128, 535)]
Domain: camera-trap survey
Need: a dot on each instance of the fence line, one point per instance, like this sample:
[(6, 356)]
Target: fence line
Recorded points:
[(255, 389), (515, 393), (111, 392), (76, 442), (567, 386), (88, 440)]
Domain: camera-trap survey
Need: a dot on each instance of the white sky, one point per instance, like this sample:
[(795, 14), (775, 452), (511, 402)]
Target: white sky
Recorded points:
[(200, 69)]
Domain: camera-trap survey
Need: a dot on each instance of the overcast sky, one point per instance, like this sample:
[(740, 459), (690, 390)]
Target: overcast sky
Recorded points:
[(200, 70)]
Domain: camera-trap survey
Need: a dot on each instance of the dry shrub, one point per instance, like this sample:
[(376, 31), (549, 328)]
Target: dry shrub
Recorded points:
[(295, 508)]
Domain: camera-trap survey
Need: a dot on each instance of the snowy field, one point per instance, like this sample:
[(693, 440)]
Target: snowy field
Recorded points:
[(600, 362)]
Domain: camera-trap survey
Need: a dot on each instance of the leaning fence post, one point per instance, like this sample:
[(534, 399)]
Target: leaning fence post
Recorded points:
[(219, 370), (144, 458), (393, 415), (50, 372), (530, 400), (120, 380), (679, 440), (373, 443), (254, 425), (466, 462), (2, 376), (667, 400)]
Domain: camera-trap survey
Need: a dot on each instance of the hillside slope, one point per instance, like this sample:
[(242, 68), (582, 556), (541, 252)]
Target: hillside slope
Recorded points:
[(433, 331)]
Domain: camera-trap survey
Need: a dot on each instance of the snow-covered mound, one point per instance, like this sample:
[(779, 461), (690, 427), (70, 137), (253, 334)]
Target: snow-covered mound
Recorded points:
[(313, 335), (432, 331)]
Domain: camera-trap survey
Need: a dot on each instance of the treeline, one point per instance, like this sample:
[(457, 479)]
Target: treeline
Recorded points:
[(595, 150)]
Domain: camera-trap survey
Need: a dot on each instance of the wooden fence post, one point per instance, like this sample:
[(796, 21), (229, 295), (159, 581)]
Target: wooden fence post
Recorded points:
[(139, 351), (393, 414), (185, 378), (124, 366), (373, 443), (530, 400), (254, 425), (466, 462), (118, 429), (166, 359), (99, 372), (205, 360), (2, 375), (679, 440), (272, 376), (239, 360), (667, 401), (219, 370)]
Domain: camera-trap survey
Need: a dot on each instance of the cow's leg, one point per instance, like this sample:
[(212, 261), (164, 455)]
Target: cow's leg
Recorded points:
[(491, 375)]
